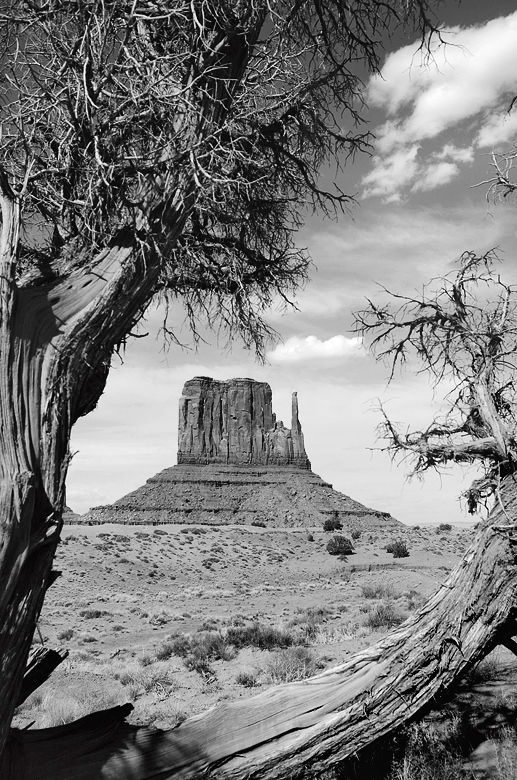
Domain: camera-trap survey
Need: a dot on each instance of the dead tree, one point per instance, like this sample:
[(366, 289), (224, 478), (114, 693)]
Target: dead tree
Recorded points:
[(465, 327), (167, 147)]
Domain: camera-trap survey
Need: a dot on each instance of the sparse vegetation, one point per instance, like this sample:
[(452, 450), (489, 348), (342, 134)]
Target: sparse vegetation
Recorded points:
[(66, 634), (160, 617), (91, 614), (259, 635), (246, 679), (332, 524), (340, 545), (377, 590), (293, 663), (398, 548), (444, 527), (384, 616)]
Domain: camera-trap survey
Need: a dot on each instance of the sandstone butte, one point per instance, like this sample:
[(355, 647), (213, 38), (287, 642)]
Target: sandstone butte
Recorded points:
[(237, 464)]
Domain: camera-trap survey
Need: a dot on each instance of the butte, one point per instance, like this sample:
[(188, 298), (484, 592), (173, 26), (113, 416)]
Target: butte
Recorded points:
[(238, 465)]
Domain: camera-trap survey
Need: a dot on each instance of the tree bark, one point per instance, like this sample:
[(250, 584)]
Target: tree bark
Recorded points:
[(55, 340), (42, 662), (319, 722)]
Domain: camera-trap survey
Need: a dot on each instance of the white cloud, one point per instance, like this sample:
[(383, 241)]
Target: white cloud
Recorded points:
[(391, 173), (296, 349), (451, 152), (435, 175), (472, 79), (500, 128)]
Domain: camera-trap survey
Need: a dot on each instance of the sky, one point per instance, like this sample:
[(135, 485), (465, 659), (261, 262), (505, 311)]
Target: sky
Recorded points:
[(418, 209)]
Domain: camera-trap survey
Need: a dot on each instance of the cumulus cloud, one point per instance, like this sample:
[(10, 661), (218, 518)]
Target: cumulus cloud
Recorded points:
[(296, 349), (501, 128), (469, 82), (451, 152), (391, 173), (436, 175)]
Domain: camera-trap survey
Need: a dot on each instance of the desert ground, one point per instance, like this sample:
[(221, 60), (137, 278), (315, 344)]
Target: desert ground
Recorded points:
[(178, 618)]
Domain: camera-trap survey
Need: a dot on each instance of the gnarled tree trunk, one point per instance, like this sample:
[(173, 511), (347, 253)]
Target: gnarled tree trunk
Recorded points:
[(317, 722), (56, 342)]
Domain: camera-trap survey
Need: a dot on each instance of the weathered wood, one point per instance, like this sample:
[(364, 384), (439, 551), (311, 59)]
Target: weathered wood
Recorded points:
[(328, 718), (58, 751), (41, 663), (510, 644)]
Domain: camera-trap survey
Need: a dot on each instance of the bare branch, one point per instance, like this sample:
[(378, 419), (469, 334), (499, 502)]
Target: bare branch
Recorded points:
[(462, 327)]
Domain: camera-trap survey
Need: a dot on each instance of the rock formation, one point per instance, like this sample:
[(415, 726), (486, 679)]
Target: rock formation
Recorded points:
[(237, 464), (233, 422)]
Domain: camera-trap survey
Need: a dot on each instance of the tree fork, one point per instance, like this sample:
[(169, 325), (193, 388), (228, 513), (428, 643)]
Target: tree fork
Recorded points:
[(322, 721)]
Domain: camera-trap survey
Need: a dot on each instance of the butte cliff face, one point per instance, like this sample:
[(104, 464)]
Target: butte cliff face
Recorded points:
[(238, 465), (233, 422)]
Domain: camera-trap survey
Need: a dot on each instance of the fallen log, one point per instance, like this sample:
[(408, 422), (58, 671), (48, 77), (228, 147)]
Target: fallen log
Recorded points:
[(322, 721)]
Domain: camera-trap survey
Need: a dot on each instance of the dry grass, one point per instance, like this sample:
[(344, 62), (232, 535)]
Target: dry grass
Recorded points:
[(293, 663)]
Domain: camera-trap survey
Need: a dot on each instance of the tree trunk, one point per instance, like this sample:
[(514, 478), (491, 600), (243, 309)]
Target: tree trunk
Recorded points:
[(55, 347), (42, 662), (56, 341), (322, 721)]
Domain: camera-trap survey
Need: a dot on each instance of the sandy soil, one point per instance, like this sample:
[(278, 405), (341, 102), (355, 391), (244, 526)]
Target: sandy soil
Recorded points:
[(126, 590)]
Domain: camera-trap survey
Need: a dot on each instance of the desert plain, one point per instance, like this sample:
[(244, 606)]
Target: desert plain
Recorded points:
[(126, 594)]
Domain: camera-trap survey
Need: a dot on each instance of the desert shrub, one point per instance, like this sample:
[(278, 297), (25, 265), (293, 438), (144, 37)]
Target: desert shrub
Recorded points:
[(258, 635), (377, 590), (124, 678), (209, 625), (67, 633), (160, 617), (444, 527), (258, 523), (384, 616), (237, 620), (179, 645), (208, 645), (145, 680), (209, 562), (165, 651), (356, 534), (213, 645), (195, 663), (246, 679), (293, 663), (398, 548), (332, 524), (340, 545), (91, 614), (311, 614), (85, 637), (307, 622)]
